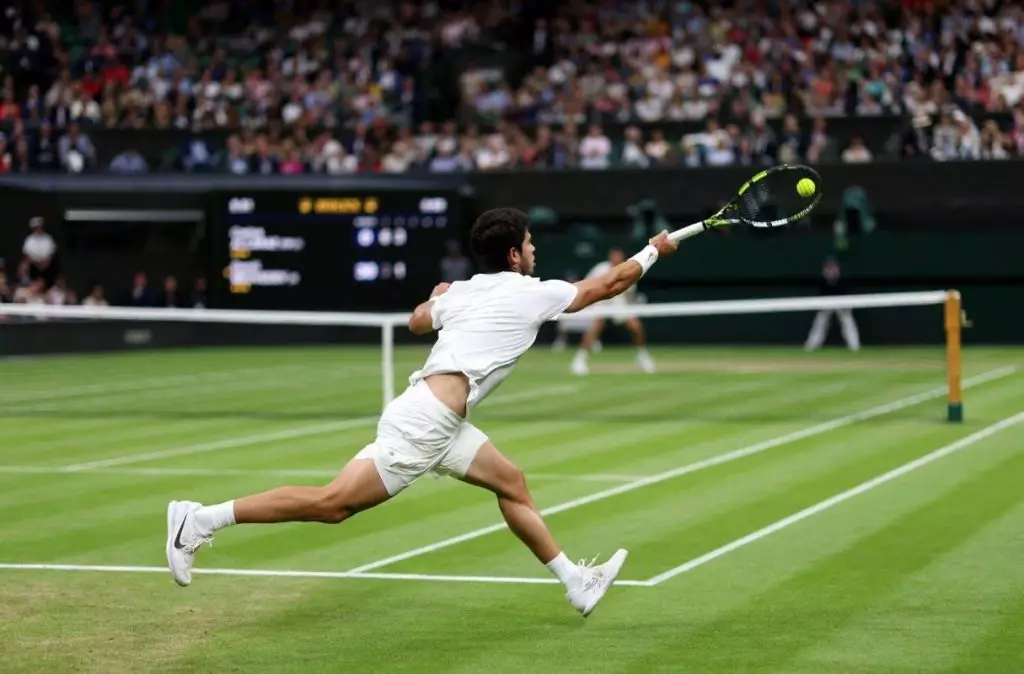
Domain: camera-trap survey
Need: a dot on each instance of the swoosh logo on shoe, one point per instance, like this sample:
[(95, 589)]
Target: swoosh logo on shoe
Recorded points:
[(177, 539)]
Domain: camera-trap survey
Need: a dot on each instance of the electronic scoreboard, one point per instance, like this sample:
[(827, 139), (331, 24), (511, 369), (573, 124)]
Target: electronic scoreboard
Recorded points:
[(373, 250)]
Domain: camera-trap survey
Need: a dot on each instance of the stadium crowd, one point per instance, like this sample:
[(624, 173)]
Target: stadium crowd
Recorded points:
[(38, 278), (341, 86)]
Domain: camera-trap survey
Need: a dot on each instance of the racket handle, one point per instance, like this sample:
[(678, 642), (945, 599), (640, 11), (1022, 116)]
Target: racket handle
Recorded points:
[(687, 232)]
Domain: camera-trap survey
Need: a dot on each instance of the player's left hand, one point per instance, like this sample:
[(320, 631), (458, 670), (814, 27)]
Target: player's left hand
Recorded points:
[(440, 289)]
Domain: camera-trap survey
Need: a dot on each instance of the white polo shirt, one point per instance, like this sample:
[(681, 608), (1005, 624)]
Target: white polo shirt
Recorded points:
[(486, 323)]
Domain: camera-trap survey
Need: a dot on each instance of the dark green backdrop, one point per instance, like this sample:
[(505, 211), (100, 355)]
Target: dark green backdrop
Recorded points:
[(936, 226)]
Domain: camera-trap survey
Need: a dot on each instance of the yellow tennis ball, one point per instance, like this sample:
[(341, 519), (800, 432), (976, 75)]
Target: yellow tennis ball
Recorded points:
[(805, 187)]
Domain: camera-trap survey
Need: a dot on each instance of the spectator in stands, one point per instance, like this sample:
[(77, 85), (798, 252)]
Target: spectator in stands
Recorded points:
[(45, 152), (584, 63), (21, 158), (139, 295), (75, 150), (5, 290), (196, 155), (968, 137), (129, 161), (39, 249), (23, 275), (633, 153), (761, 139), (6, 157), (235, 161), (96, 297), (199, 299), (790, 146), (169, 297), (59, 294), (33, 293), (821, 146), (657, 149), (493, 155), (857, 153), (263, 162), (595, 149), (291, 163), (447, 162), (993, 146)]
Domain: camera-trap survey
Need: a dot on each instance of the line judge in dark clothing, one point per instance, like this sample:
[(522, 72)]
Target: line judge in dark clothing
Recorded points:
[(832, 284)]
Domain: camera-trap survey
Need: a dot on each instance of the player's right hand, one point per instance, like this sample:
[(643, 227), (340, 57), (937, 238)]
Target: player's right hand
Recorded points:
[(665, 245)]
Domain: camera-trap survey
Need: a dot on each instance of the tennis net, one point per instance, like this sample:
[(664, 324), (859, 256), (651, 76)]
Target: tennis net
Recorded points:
[(331, 365)]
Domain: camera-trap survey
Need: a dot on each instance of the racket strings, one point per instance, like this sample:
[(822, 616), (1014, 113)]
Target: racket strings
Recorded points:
[(775, 199)]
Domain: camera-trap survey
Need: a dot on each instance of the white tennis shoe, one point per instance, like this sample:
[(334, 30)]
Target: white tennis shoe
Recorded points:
[(596, 581), (183, 539)]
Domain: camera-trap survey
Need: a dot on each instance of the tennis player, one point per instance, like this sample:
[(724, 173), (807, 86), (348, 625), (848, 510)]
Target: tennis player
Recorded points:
[(484, 325), (593, 335)]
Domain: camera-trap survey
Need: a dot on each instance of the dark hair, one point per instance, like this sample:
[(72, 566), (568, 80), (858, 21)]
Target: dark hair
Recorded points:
[(494, 234)]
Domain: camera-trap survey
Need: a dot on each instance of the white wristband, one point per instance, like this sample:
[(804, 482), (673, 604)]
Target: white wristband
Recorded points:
[(646, 258)]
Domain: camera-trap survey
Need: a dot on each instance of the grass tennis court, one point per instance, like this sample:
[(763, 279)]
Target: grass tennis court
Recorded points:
[(785, 512)]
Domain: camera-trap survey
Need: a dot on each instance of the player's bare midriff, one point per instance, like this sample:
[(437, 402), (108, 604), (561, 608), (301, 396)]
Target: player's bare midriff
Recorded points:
[(452, 389)]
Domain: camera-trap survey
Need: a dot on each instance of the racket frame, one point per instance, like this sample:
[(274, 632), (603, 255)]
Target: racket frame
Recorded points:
[(717, 220)]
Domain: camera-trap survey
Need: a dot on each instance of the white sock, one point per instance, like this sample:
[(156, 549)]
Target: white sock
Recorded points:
[(641, 351), (581, 355), (212, 518), (564, 570)]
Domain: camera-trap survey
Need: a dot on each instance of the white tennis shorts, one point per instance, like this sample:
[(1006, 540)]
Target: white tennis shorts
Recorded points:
[(416, 434), (617, 301)]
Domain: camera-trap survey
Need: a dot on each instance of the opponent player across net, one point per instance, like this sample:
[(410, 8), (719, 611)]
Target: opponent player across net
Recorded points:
[(484, 325), (632, 323)]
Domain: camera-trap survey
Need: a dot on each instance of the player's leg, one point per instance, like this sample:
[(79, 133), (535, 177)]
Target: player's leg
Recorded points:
[(475, 460), (491, 470), (849, 327), (579, 362), (636, 331), (819, 330), (358, 487)]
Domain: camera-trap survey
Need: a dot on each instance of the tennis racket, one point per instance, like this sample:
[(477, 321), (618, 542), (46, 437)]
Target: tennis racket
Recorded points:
[(772, 198)]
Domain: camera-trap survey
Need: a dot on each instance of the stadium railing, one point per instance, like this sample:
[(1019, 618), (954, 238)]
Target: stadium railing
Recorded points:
[(387, 322)]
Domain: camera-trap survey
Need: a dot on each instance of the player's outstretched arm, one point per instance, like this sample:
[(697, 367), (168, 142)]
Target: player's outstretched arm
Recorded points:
[(622, 277), (422, 320)]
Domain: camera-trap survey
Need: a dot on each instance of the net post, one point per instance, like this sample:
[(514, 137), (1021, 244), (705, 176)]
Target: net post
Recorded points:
[(953, 314), (387, 343)]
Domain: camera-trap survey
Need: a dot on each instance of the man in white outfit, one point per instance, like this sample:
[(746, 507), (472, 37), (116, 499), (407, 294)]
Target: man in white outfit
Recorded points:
[(832, 284), (636, 329), (484, 325)]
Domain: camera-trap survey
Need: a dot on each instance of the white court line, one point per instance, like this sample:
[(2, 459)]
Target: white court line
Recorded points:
[(229, 443), (154, 383), (251, 472), (822, 506), (285, 573), (734, 455), (288, 434)]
